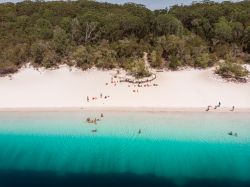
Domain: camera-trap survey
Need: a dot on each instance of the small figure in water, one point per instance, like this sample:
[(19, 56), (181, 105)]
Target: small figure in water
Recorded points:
[(230, 133), (94, 130), (102, 115), (139, 132), (233, 134), (88, 120)]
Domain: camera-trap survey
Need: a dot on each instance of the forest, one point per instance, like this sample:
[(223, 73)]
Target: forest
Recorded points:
[(88, 33)]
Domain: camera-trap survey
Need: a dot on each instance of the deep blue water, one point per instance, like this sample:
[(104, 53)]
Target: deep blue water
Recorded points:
[(173, 149)]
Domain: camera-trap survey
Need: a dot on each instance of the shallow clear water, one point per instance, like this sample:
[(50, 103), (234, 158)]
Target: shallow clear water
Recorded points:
[(173, 149)]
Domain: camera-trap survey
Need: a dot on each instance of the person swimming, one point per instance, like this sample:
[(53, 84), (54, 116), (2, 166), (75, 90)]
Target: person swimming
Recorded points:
[(230, 133), (233, 134)]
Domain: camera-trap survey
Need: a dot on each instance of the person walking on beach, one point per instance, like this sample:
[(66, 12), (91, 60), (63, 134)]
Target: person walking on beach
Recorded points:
[(232, 109), (87, 98), (208, 108), (101, 95)]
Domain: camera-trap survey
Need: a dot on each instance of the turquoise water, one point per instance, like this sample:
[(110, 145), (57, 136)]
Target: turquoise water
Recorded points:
[(177, 149)]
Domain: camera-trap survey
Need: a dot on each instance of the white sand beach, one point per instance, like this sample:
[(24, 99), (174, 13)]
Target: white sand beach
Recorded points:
[(65, 88)]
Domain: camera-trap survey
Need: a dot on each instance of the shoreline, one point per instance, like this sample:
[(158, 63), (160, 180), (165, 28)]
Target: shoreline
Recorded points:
[(125, 109)]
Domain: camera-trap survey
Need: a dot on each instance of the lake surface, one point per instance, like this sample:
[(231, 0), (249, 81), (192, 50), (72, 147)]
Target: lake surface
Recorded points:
[(128, 149)]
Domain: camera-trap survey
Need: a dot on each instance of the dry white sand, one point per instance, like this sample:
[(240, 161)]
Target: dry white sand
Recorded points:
[(188, 88)]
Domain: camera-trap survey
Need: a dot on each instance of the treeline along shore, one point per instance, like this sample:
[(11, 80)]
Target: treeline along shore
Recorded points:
[(88, 33)]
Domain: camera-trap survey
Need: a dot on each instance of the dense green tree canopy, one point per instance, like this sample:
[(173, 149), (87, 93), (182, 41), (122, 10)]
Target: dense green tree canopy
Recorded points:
[(88, 33)]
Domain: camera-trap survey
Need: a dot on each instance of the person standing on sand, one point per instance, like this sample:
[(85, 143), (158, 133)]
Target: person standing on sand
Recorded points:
[(87, 98), (232, 109), (101, 95)]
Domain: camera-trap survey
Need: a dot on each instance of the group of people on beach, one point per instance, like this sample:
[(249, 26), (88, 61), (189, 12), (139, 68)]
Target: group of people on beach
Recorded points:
[(95, 98), (218, 106), (115, 80)]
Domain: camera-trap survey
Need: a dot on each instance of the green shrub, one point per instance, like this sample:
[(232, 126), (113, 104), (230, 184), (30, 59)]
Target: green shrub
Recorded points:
[(7, 68), (174, 63), (203, 61), (231, 70), (50, 59), (155, 59), (137, 68), (37, 51), (82, 57)]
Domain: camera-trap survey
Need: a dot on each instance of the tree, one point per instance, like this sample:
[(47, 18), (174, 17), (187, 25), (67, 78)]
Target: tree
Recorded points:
[(82, 57), (167, 24), (223, 30), (60, 41), (37, 51), (76, 31), (246, 39), (65, 24), (90, 27), (237, 31), (156, 60), (44, 29)]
